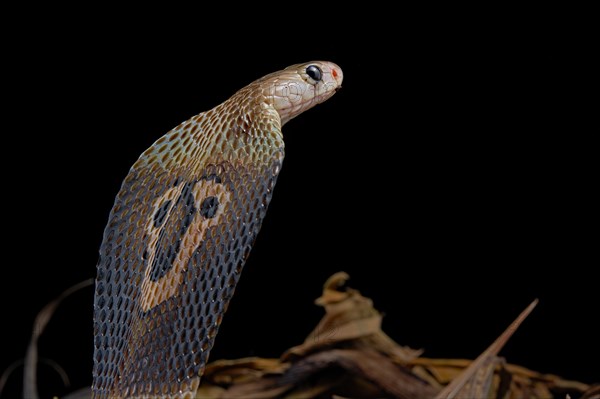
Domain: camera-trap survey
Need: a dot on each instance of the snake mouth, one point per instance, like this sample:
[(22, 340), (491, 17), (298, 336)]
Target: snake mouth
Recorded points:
[(318, 99)]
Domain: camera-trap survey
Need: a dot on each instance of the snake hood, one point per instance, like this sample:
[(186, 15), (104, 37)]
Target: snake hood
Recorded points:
[(180, 230)]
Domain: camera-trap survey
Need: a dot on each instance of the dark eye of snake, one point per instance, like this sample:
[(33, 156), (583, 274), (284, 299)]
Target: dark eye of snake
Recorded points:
[(314, 72)]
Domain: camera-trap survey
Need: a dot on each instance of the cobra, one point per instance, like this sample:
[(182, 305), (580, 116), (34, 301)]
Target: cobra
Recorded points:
[(180, 230)]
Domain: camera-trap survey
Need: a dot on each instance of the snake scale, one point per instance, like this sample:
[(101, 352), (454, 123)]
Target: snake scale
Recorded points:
[(180, 230)]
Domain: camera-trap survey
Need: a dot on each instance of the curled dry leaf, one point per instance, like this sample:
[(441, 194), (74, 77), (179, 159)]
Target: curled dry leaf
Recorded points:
[(349, 318)]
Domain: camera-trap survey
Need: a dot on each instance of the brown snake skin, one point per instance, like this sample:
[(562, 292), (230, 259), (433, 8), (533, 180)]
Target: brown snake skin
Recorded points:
[(181, 229)]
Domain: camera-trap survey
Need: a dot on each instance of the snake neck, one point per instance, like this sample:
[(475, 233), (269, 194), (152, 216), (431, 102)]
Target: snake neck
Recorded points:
[(241, 130), (248, 113)]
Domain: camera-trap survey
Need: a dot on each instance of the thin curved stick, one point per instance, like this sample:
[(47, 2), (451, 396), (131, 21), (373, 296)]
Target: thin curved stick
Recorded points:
[(6, 373), (41, 320), (18, 363)]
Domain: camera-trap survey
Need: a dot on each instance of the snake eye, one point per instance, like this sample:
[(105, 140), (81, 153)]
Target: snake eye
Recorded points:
[(314, 72)]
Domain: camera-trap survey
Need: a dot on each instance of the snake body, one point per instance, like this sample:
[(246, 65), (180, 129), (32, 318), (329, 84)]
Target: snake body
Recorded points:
[(180, 230)]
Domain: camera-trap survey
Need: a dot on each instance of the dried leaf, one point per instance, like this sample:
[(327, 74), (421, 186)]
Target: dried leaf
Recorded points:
[(228, 372), (592, 393), (349, 316), (480, 383), (455, 386)]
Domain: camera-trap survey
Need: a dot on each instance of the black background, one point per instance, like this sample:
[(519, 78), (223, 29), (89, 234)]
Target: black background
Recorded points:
[(451, 177)]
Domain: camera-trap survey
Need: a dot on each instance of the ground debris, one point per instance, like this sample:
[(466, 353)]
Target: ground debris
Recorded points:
[(347, 356)]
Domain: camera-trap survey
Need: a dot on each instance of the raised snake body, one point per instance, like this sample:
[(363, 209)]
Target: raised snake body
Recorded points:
[(180, 230)]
